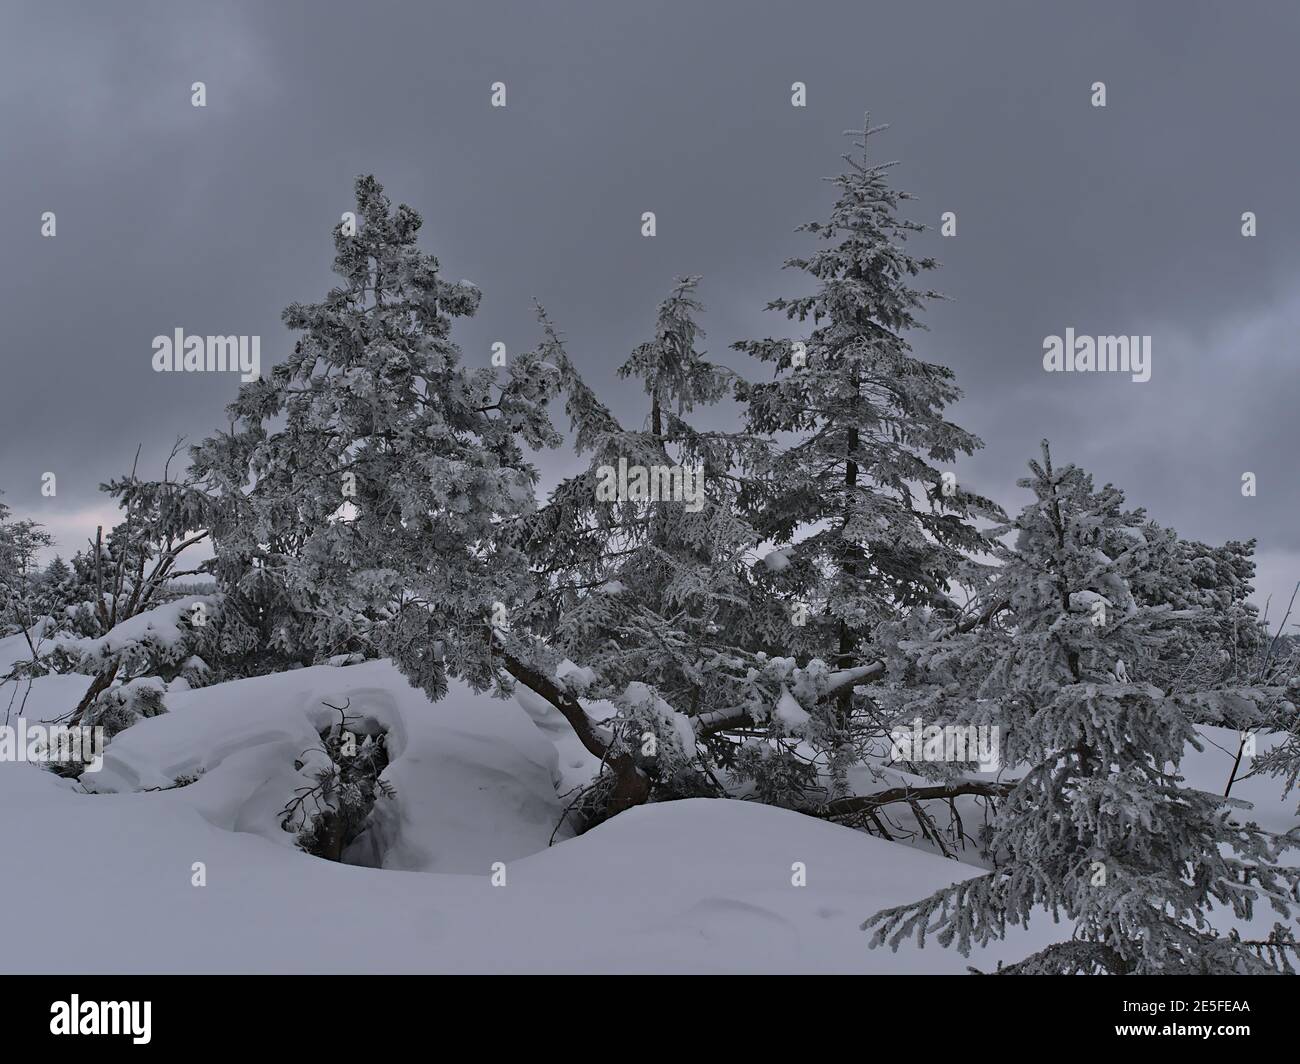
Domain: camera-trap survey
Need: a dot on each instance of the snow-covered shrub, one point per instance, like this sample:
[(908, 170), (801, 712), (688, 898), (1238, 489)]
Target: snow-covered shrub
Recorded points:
[(121, 706), (166, 641), (329, 815)]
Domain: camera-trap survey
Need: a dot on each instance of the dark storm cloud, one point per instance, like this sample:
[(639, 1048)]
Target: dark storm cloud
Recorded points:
[(1117, 220)]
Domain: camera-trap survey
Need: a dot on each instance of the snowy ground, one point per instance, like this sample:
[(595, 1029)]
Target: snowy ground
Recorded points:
[(103, 882)]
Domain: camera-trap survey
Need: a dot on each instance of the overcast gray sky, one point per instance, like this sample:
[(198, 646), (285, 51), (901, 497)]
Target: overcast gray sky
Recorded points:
[(1124, 219)]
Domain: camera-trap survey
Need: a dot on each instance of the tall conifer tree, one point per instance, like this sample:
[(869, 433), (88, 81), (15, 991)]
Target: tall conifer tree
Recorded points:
[(853, 490)]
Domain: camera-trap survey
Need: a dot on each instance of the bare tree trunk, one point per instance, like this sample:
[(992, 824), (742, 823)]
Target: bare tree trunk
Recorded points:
[(98, 686), (848, 637)]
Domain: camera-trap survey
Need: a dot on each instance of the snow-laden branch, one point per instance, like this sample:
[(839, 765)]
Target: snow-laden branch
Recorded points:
[(722, 719)]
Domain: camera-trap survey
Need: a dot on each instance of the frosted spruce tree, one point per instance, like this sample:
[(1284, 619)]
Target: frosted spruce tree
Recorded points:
[(1098, 829), (24, 597), (371, 486), (681, 560), (866, 521), (58, 579), (642, 560), (26, 603), (363, 480), (1225, 641)]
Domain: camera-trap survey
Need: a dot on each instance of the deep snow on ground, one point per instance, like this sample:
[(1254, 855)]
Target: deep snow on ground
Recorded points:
[(474, 779), (102, 882)]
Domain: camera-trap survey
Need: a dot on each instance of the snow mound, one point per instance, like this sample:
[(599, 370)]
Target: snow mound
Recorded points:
[(474, 781)]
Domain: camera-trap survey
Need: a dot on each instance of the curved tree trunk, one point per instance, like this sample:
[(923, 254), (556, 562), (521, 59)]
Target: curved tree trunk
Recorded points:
[(631, 785)]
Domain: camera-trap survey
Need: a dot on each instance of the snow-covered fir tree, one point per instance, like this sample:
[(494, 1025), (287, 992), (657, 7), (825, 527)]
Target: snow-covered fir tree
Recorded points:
[(58, 577), (642, 561), (374, 510), (1226, 642), (23, 594), (1098, 828), (853, 491), (673, 566), (26, 600)]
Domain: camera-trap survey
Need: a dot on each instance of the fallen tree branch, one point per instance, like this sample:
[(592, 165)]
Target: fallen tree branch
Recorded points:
[(865, 803)]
